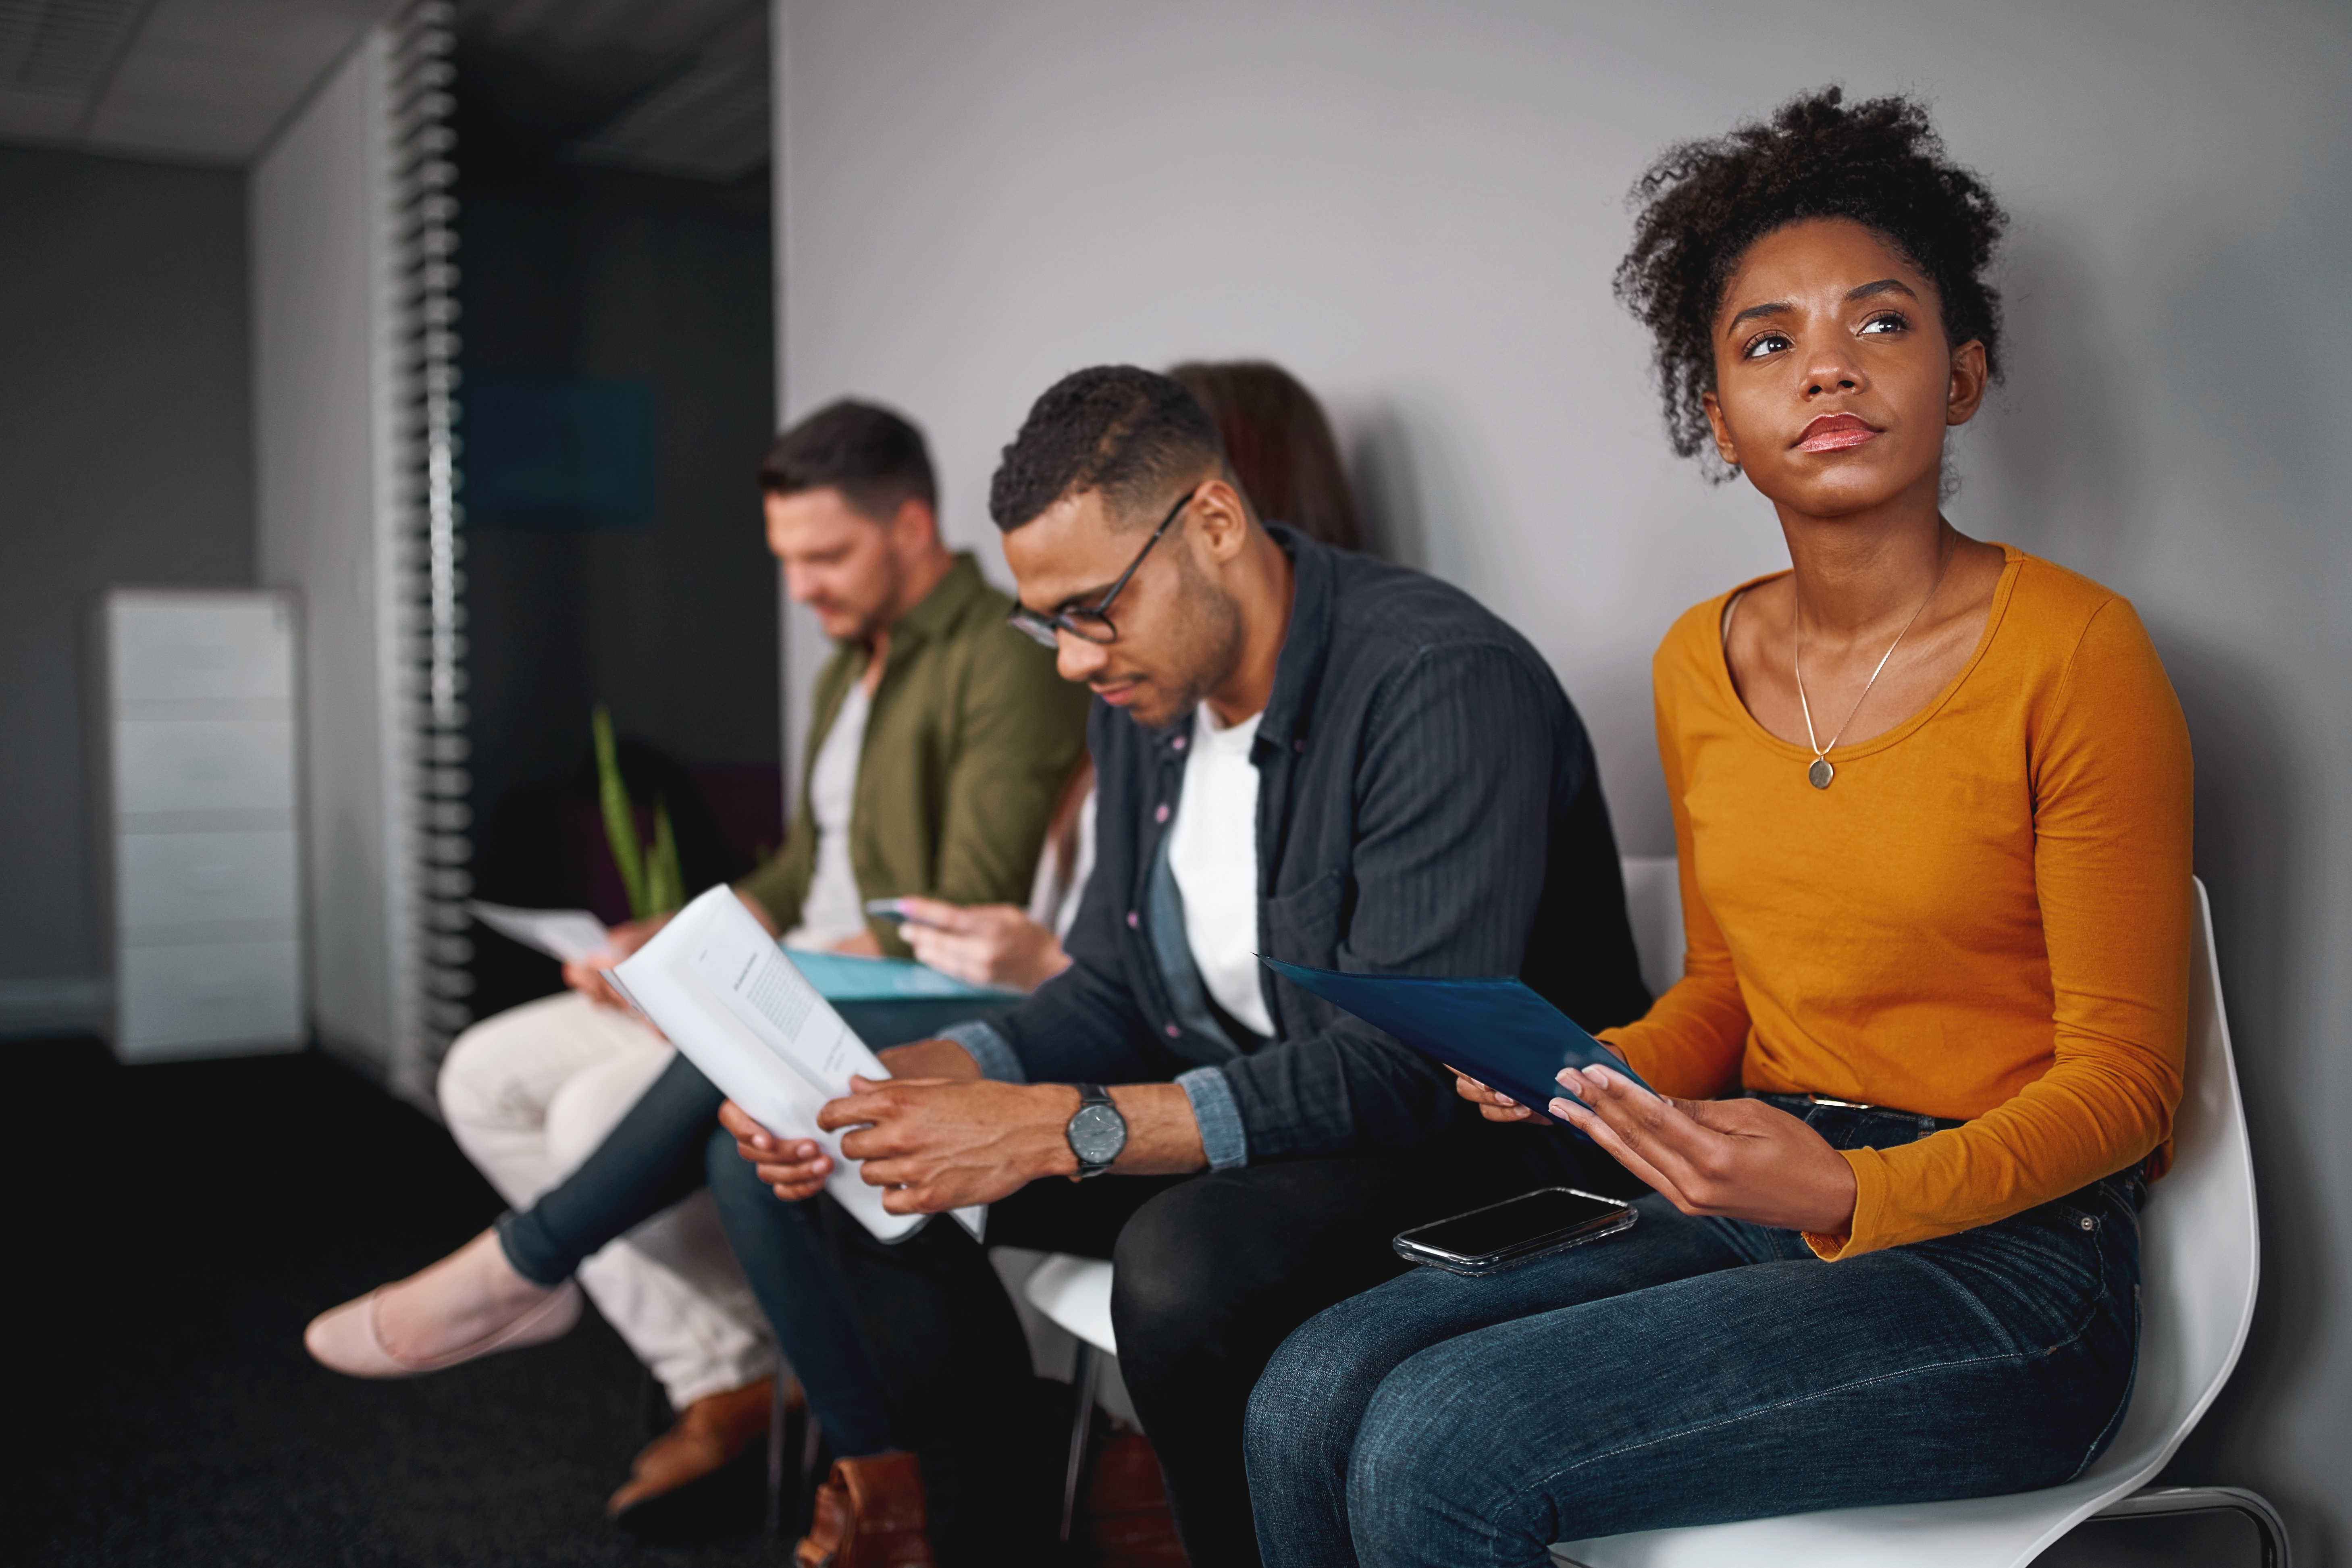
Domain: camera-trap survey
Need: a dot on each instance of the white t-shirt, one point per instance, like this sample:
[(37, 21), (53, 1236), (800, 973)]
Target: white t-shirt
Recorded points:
[(1213, 850), (835, 911), (1058, 890)]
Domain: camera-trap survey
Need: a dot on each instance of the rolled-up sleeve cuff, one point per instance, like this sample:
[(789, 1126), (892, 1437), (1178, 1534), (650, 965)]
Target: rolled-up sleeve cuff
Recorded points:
[(989, 1049), (1219, 1118)]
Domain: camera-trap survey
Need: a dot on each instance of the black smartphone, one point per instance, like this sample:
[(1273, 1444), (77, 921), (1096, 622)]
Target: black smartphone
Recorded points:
[(887, 910), (1517, 1230)]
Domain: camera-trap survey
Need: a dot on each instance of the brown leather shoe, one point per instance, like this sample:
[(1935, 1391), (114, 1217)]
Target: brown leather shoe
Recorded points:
[(706, 1433), (1123, 1518), (869, 1514)]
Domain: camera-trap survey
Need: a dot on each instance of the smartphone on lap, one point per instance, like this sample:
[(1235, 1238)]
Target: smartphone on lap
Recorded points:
[(1518, 1230)]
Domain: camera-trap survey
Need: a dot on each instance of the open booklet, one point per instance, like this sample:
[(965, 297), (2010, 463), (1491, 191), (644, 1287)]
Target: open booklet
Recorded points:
[(1499, 1030), (728, 998)]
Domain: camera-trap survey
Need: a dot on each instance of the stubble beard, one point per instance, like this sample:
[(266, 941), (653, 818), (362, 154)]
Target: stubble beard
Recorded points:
[(872, 623), (1209, 646)]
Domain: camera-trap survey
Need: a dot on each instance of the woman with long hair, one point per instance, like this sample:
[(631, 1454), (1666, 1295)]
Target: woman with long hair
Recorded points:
[(1931, 798)]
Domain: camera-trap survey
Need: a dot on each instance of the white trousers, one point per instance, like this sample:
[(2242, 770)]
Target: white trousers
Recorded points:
[(529, 1095)]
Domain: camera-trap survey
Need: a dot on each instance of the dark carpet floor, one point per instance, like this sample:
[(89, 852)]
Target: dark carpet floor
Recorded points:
[(177, 1226)]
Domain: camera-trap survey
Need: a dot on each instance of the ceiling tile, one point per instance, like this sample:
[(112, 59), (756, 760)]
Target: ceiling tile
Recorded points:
[(205, 81)]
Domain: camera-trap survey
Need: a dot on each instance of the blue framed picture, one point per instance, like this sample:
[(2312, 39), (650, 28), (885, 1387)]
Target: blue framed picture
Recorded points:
[(556, 451)]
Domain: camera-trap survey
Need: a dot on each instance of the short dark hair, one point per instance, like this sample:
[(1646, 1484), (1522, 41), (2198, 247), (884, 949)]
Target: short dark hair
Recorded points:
[(1115, 428), (875, 458), (1704, 203), (1278, 442)]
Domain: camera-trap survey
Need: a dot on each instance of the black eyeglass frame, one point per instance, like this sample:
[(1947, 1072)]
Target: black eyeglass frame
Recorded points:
[(1084, 621)]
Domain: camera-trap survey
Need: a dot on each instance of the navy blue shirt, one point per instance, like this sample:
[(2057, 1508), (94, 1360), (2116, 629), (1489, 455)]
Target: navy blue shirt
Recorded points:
[(1427, 804)]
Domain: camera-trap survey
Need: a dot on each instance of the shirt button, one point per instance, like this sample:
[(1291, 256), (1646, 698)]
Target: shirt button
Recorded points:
[(1132, 921), (1173, 1031), (1177, 744), (1160, 815), (1298, 746)]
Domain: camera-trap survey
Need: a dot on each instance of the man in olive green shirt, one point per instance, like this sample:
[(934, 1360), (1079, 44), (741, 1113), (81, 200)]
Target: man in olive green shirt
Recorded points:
[(943, 739), (967, 737)]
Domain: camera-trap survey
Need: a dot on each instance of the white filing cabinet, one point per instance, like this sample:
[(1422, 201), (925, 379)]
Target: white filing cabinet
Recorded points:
[(197, 732)]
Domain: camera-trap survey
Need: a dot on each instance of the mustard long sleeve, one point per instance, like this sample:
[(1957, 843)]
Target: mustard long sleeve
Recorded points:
[(1985, 918)]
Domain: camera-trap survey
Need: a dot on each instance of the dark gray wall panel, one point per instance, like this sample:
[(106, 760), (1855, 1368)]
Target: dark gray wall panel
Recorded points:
[(125, 457)]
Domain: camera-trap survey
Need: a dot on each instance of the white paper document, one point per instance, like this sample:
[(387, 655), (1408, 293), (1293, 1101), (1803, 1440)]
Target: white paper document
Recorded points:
[(727, 995), (572, 936)]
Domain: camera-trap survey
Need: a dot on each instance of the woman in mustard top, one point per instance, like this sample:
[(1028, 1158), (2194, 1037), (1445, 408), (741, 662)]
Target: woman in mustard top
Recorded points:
[(1931, 798)]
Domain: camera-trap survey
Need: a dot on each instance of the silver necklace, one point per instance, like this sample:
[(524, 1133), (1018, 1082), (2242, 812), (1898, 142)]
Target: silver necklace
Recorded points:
[(1820, 774)]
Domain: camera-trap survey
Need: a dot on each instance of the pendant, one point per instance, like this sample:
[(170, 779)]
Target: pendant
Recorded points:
[(1820, 772)]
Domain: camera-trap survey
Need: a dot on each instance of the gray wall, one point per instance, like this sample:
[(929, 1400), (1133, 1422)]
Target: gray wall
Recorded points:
[(125, 457), (1418, 206)]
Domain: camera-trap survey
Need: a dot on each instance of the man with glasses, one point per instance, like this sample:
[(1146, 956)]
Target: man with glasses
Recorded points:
[(1322, 758)]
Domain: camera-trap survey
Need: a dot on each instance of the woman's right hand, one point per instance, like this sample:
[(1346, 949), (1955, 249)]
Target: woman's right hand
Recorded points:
[(586, 975), (1493, 1104), (988, 944)]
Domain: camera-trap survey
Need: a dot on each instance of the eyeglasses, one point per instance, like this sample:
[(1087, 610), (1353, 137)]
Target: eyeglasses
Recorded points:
[(1091, 623)]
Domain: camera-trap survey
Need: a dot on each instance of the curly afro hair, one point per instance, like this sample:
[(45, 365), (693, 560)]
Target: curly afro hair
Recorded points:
[(1701, 205)]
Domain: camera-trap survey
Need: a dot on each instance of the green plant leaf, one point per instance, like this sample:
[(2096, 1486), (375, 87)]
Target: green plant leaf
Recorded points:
[(620, 820), (665, 882)]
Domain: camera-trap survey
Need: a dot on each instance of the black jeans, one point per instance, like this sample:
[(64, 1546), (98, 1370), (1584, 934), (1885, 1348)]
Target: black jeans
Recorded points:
[(651, 1159), (1214, 1271)]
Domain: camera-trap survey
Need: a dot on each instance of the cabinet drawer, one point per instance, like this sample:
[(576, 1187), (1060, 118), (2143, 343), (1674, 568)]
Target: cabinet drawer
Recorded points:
[(200, 647), (188, 878), (203, 764), (175, 1001)]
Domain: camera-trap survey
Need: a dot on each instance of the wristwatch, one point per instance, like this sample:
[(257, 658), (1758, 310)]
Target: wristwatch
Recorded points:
[(1097, 1132)]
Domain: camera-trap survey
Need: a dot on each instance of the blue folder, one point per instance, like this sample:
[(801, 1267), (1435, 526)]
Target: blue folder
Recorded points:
[(1495, 1029), (890, 1001), (849, 977)]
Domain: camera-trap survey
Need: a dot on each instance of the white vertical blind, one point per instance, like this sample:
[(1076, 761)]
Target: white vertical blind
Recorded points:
[(354, 364)]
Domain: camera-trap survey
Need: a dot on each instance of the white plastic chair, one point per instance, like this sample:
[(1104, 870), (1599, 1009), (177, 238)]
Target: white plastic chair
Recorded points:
[(1074, 1294), (1653, 907), (2198, 1267)]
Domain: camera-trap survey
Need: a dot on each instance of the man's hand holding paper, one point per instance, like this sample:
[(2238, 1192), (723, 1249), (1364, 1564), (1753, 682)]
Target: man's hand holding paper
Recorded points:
[(719, 986), (796, 1167), (937, 1143)]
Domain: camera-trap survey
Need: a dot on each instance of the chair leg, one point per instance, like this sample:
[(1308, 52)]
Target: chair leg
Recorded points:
[(1086, 1378), (788, 1430), (2158, 1500), (779, 1419), (812, 1449)]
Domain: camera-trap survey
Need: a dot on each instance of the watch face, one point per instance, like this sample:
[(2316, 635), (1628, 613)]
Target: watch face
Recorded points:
[(1098, 1133)]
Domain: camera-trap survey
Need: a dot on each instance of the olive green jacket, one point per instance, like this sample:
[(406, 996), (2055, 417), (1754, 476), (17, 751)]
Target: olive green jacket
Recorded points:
[(970, 737)]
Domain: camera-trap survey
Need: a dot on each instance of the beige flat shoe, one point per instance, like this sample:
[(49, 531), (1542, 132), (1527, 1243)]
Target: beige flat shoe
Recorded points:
[(472, 1296)]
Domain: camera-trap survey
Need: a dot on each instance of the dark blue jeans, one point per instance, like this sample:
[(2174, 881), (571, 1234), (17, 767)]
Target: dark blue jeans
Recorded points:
[(664, 1149), (1696, 1371)]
